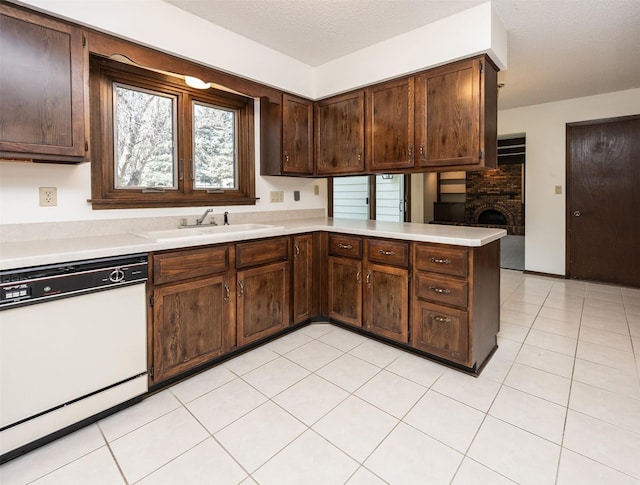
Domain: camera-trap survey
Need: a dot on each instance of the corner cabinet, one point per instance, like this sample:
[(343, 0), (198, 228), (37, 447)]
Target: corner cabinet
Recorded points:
[(286, 146), (44, 94), (390, 126), (263, 278), (340, 133), (193, 314), (456, 116), (303, 304)]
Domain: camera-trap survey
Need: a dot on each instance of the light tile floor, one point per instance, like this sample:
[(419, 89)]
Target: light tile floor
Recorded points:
[(558, 403)]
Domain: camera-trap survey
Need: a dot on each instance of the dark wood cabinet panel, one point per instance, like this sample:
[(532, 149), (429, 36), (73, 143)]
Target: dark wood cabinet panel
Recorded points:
[(193, 263), (442, 259), (262, 301), (302, 285), (456, 115), (262, 251), (386, 251), (191, 325), (442, 289), (387, 301), (345, 290), (339, 129), (345, 245), (43, 88), (441, 331), (297, 135), (390, 126)]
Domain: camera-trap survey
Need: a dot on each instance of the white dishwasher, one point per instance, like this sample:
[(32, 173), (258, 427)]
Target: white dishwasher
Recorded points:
[(73, 343)]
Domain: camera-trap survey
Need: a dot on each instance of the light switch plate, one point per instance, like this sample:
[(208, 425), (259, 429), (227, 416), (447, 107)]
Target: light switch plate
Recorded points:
[(558, 189), (276, 196)]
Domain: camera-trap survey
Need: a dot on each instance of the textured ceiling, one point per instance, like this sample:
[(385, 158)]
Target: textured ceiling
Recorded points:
[(557, 49)]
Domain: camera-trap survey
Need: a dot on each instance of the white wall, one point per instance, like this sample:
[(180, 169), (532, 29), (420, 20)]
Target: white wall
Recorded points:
[(545, 128)]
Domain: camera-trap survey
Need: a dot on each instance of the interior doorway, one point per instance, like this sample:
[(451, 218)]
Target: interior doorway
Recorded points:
[(603, 200)]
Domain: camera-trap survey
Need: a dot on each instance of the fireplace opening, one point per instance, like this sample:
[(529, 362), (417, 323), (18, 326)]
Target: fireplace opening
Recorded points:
[(493, 217)]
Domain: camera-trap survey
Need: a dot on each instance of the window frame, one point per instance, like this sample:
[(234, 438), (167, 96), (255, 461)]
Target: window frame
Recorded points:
[(103, 73)]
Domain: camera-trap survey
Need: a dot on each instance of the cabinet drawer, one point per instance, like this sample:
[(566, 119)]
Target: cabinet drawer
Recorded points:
[(182, 265), (386, 251), (343, 245), (441, 289), (261, 252), (442, 260), (441, 331)]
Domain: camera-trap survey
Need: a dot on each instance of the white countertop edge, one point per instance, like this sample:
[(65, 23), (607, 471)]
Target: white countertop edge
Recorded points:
[(26, 254)]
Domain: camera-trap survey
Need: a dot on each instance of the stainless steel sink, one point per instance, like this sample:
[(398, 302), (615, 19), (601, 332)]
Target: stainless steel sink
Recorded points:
[(203, 232)]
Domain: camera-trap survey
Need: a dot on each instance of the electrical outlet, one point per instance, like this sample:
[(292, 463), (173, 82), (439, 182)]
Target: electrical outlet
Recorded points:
[(48, 196), (558, 189), (276, 196)]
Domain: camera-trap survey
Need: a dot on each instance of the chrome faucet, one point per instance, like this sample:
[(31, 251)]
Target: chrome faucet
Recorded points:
[(201, 219), (226, 218)]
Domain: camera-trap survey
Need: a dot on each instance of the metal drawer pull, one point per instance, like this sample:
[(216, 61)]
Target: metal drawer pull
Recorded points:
[(386, 253), (228, 293), (439, 318), (359, 277), (296, 248), (241, 285), (345, 246), (369, 279), (446, 291), (440, 261)]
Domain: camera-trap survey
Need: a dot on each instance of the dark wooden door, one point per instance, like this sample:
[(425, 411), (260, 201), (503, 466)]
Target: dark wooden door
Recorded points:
[(302, 278), (297, 135), (43, 82), (345, 290), (603, 200), (390, 125), (263, 301), (191, 325), (387, 301), (440, 331), (340, 134)]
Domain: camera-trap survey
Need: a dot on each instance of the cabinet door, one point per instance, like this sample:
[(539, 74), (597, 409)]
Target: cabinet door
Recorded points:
[(192, 323), (440, 331), (390, 125), (43, 87), (339, 137), (297, 135), (345, 290), (387, 301), (448, 114), (263, 301), (302, 278)]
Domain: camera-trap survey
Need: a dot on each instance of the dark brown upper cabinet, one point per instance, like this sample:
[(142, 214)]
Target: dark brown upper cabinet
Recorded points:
[(456, 116), (390, 126), (340, 133), (286, 136), (44, 73)]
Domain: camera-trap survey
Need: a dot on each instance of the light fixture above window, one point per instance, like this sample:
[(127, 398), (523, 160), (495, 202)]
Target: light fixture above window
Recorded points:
[(196, 83)]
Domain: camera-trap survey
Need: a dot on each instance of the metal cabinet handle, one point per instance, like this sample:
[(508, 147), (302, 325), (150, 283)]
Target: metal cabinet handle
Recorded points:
[(577, 213), (435, 289), (369, 279), (345, 246), (440, 261), (386, 253), (296, 251), (439, 318), (359, 277), (227, 291), (422, 154), (411, 153), (241, 285), (286, 158)]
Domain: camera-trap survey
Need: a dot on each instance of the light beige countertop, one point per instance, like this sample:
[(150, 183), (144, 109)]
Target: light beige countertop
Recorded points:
[(23, 254)]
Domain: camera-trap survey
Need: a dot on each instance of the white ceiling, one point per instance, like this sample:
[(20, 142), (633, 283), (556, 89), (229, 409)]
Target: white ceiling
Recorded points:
[(557, 49)]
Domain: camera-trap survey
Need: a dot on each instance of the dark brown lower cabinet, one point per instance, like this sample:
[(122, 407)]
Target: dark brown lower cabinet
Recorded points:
[(441, 331), (386, 301), (263, 301), (192, 324), (302, 285), (345, 290)]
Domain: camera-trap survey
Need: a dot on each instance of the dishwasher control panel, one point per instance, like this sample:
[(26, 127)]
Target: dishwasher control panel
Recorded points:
[(30, 285)]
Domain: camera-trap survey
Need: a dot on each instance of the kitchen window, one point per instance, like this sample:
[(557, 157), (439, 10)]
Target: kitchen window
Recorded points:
[(158, 143)]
